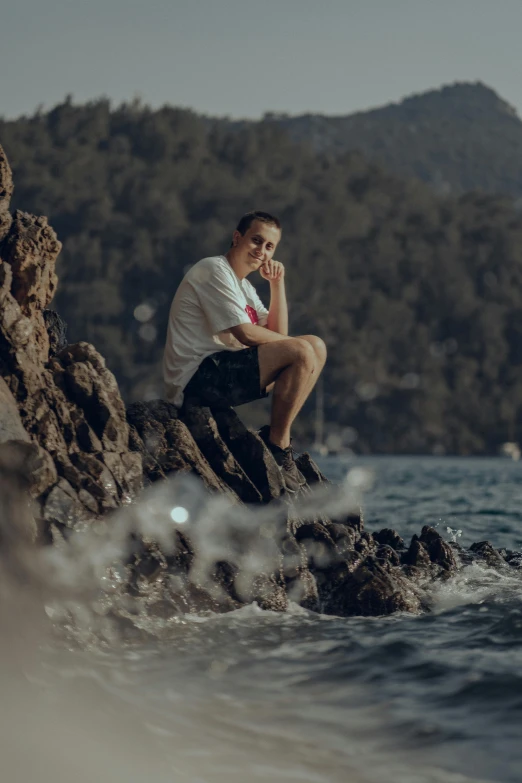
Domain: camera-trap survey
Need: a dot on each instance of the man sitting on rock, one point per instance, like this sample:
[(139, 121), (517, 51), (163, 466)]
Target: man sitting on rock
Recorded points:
[(224, 348)]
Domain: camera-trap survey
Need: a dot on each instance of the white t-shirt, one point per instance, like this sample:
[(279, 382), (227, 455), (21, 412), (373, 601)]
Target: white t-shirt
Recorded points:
[(209, 300)]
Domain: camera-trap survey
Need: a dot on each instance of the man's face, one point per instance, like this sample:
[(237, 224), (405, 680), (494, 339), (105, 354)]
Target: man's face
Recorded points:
[(258, 244)]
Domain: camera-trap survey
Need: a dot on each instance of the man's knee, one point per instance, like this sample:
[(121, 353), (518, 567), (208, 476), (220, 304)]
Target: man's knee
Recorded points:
[(318, 346), (274, 357), (304, 352)]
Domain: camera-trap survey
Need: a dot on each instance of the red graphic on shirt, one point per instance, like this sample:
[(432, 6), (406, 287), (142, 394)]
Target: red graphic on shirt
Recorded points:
[(252, 314)]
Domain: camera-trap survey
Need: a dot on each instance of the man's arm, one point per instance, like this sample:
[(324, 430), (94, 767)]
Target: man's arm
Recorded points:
[(250, 334), (274, 272)]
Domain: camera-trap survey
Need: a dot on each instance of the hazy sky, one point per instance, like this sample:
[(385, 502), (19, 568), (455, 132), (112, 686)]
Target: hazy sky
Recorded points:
[(242, 58)]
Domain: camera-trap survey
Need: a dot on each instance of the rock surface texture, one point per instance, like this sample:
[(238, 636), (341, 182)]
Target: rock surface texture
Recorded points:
[(64, 429)]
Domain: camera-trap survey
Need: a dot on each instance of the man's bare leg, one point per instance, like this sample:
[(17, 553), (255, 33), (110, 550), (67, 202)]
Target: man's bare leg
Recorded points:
[(319, 349), (294, 364)]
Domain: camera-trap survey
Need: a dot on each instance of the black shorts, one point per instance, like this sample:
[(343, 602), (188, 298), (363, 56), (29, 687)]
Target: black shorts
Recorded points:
[(226, 379)]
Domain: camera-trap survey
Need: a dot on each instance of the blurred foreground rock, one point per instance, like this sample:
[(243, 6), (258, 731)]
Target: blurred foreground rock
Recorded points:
[(67, 440)]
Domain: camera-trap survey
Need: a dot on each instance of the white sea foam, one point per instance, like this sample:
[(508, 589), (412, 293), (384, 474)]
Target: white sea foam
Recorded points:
[(475, 584)]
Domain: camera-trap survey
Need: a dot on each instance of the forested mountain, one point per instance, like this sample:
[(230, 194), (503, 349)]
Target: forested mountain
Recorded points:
[(418, 296), (459, 138)]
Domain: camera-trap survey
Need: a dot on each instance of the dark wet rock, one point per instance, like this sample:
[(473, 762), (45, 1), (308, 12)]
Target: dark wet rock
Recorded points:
[(463, 557), (439, 551), (352, 520), (140, 413), (344, 539), (514, 559), (268, 593), (166, 596), (181, 443), (416, 555), (315, 539), (388, 537), (63, 507), (168, 446), (292, 554), (373, 588), (302, 589), (310, 470), (485, 551), (388, 554), (250, 451), (204, 430)]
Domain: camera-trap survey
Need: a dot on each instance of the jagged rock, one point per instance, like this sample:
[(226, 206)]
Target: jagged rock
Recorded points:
[(439, 551), (318, 544), (373, 588), (388, 554), (69, 407), (344, 537), (250, 452), (18, 461), (147, 436), (352, 520), (126, 468), (181, 443), (11, 427), (140, 413), (388, 537), (302, 589), (267, 593), (512, 558), (56, 331), (88, 383), (310, 470), (6, 191), (30, 249), (486, 552), (152, 470), (203, 429), (169, 444), (416, 555), (64, 508)]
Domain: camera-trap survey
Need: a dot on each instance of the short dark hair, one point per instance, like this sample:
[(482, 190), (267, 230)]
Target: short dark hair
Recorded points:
[(265, 217)]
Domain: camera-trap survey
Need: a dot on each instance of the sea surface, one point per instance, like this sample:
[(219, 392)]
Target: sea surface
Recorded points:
[(259, 696)]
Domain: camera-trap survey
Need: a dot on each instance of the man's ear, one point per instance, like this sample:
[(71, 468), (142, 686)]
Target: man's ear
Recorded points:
[(236, 236)]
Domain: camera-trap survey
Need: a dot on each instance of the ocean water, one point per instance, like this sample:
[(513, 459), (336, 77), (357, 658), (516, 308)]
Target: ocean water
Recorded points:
[(259, 696)]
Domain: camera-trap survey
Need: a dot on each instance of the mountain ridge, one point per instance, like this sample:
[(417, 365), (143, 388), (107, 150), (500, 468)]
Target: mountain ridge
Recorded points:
[(457, 138), (451, 91)]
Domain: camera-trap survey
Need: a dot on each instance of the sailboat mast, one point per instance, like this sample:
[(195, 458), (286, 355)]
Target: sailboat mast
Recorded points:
[(319, 413)]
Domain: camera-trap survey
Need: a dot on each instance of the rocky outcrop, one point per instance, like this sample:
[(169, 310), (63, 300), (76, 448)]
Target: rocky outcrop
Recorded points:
[(69, 406), (66, 435), (6, 191), (11, 427)]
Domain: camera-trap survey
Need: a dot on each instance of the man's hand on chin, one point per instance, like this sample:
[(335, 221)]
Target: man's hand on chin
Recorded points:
[(273, 271)]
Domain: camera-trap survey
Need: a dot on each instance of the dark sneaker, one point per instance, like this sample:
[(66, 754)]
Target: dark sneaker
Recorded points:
[(294, 479)]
